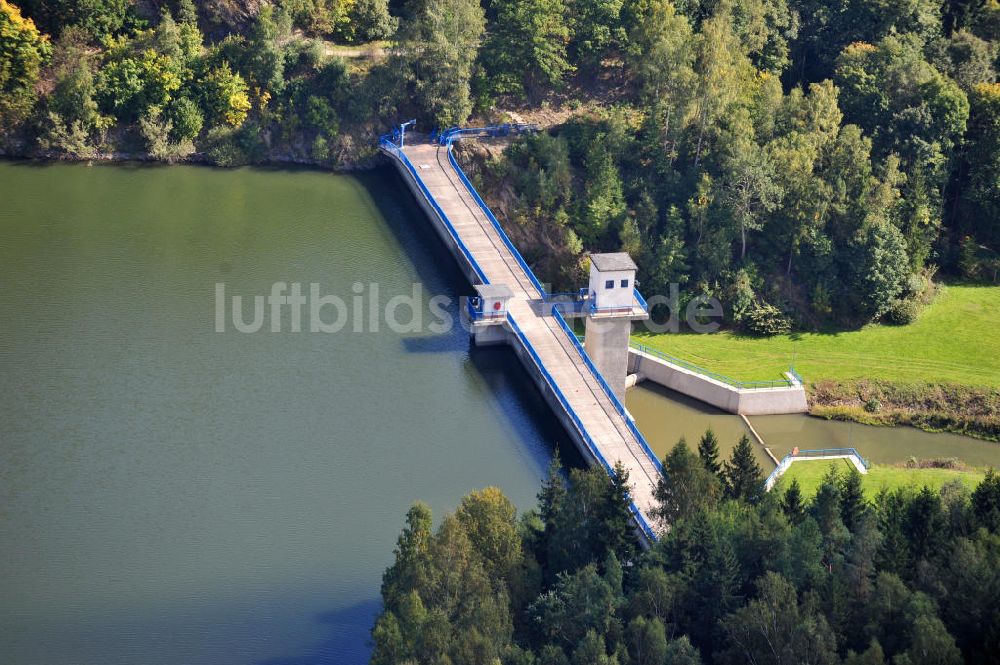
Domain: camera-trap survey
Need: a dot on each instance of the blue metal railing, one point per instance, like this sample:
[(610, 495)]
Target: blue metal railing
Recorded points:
[(588, 441), (574, 302), (697, 369), (619, 407), (819, 453), (386, 143), (642, 301), (493, 220), (448, 135), (833, 452)]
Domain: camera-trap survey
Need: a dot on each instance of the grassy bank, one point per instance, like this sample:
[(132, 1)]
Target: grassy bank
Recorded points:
[(955, 340), (810, 476), (940, 373)]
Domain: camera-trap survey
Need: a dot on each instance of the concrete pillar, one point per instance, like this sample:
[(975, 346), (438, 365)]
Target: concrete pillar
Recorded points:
[(606, 342)]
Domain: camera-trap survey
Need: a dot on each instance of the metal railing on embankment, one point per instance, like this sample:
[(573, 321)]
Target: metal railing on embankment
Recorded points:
[(697, 369), (817, 454), (493, 220)]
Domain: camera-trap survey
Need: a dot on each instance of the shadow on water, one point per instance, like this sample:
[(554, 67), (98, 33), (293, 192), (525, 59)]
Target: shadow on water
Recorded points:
[(511, 386), (348, 643), (428, 344), (519, 397), (406, 220), (499, 367)]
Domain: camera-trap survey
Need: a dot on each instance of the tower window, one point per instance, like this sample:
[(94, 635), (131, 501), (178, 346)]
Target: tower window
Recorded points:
[(624, 283), (610, 284)]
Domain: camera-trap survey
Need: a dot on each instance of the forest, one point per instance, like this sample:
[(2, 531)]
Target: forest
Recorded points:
[(740, 576), (812, 164)]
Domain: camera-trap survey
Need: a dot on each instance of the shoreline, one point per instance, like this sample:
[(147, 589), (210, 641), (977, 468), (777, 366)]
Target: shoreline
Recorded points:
[(966, 410), (195, 159)]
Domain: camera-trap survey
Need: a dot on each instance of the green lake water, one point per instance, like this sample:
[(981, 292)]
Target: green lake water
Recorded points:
[(170, 494)]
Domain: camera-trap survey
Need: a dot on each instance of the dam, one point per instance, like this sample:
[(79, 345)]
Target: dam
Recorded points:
[(513, 307)]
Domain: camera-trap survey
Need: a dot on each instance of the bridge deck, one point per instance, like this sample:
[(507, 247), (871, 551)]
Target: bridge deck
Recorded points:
[(606, 426)]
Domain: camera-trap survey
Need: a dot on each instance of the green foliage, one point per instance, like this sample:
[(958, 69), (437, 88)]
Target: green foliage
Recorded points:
[(878, 269), (225, 96), (157, 132), (979, 179), (742, 475), (228, 146), (96, 17), (370, 20), (186, 119), (792, 503), (911, 578), (437, 49), (986, 502), (765, 319), (527, 48), (903, 312), (708, 452), (777, 628), (596, 27), (686, 487), (23, 50)]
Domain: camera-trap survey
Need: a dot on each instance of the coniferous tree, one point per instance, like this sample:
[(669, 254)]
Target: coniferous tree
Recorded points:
[(743, 476), (617, 516), (792, 503), (986, 502), (708, 451), (685, 487), (852, 499)]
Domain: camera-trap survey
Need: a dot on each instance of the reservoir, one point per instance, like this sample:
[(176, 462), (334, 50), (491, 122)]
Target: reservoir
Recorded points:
[(172, 494)]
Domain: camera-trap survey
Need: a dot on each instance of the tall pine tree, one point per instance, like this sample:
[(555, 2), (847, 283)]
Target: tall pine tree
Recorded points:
[(742, 474), (708, 451)]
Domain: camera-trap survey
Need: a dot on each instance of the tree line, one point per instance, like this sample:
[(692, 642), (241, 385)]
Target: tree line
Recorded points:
[(810, 163), (737, 576)]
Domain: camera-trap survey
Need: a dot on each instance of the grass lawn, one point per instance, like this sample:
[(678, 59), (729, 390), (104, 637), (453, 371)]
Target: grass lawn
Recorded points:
[(810, 476), (955, 340)]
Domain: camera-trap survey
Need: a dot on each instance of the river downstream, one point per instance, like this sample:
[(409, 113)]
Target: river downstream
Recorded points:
[(664, 416)]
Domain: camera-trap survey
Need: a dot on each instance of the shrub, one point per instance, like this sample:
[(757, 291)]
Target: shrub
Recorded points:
[(766, 319), (234, 147), (187, 119), (902, 312), (157, 132)]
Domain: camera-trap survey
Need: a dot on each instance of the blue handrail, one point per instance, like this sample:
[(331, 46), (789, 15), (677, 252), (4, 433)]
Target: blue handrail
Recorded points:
[(591, 446), (736, 383), (827, 452), (386, 143), (493, 220), (453, 133), (642, 301), (818, 453), (619, 407)]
